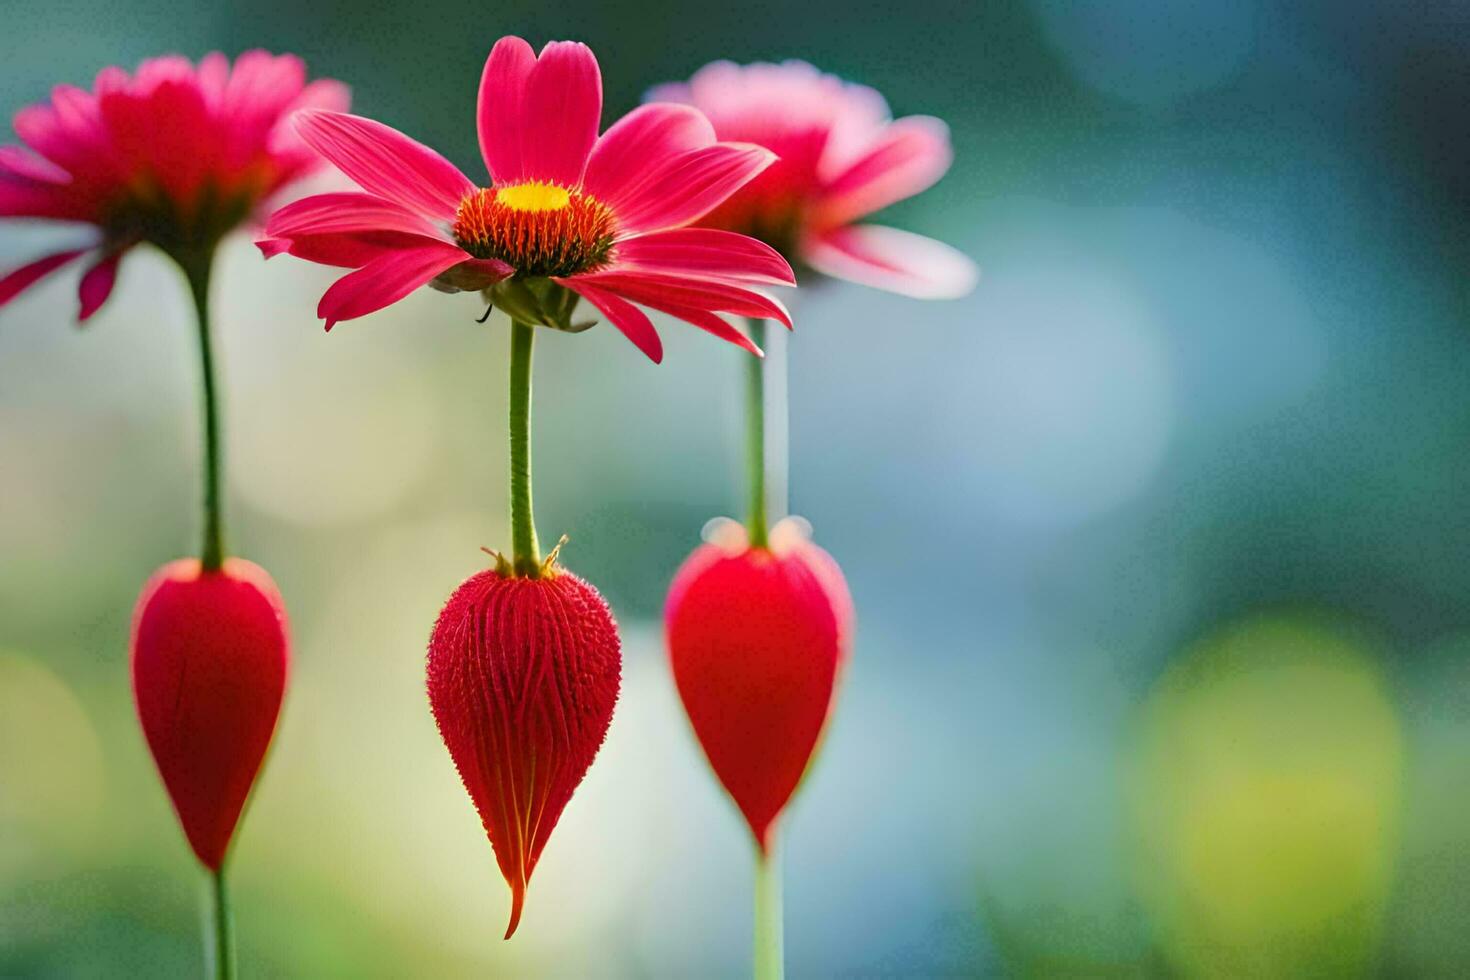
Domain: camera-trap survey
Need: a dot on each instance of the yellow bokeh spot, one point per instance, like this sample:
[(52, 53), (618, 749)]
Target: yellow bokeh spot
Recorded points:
[(52, 771), (1266, 795), (533, 196)]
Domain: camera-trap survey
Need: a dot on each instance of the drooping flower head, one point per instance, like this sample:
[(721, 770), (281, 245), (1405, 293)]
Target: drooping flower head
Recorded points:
[(566, 214), (841, 157), (757, 637), (210, 655), (523, 675), (175, 155)]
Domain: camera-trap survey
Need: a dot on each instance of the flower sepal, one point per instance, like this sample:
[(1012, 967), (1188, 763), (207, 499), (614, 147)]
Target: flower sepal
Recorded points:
[(539, 301), (471, 276)]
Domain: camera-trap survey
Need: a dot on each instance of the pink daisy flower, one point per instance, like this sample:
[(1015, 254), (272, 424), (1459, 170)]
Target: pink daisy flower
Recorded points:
[(841, 157), (174, 154), (567, 213)]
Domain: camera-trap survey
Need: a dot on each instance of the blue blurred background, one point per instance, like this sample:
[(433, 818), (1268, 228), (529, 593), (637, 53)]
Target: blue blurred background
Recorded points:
[(1159, 540)]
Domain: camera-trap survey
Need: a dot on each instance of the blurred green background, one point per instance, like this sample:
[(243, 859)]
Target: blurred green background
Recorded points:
[(1159, 540)]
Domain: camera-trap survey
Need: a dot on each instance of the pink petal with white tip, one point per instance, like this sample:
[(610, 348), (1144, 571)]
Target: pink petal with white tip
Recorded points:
[(886, 258), (907, 157)]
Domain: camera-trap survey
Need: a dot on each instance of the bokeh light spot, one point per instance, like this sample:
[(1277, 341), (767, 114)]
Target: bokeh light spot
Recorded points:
[(1266, 799)]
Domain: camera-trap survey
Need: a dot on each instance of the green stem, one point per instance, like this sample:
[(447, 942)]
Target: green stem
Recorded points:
[(212, 550), (755, 437), (525, 552), (219, 949), (770, 953)]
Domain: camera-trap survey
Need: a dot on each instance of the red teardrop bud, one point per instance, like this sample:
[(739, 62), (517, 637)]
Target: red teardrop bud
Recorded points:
[(523, 676), (756, 638), (210, 656)]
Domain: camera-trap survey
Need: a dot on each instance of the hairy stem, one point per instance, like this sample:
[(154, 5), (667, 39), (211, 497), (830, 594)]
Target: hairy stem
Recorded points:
[(525, 552)]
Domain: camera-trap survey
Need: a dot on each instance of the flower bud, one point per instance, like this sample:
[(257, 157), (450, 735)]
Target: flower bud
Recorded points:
[(523, 674), (210, 656), (757, 637)]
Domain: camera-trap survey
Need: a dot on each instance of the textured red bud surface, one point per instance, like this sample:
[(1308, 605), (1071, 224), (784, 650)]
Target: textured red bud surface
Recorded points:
[(210, 656), (757, 638), (523, 677)]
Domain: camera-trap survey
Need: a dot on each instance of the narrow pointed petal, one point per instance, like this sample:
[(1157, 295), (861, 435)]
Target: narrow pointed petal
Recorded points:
[(30, 188), (347, 250), (690, 186), (348, 212), (560, 113), (640, 144), (22, 163), (908, 157), (19, 280), (385, 280), (383, 161), (711, 323), (271, 247), (898, 261), (631, 321), (502, 91), (651, 289), (708, 253), (96, 285)]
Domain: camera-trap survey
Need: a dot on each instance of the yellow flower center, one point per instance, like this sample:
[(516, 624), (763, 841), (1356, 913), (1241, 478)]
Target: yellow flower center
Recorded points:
[(534, 196), (539, 229)]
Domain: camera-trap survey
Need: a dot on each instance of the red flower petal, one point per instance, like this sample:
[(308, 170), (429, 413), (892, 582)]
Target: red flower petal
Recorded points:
[(631, 321), (383, 161), (502, 90), (347, 212), (348, 250), (709, 322), (26, 276), (96, 285), (560, 113), (385, 280), (653, 288), (689, 186), (707, 253), (639, 145)]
